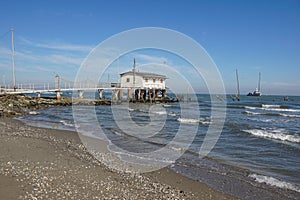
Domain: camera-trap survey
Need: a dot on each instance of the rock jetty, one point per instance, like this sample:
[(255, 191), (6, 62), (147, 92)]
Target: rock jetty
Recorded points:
[(15, 105)]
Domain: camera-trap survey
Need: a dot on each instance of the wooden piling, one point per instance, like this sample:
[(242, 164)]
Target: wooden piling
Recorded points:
[(163, 93), (128, 94), (150, 95)]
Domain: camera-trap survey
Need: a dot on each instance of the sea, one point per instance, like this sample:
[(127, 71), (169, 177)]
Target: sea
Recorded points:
[(257, 154)]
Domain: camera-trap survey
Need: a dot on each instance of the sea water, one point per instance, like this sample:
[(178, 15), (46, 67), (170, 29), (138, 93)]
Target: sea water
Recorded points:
[(259, 146)]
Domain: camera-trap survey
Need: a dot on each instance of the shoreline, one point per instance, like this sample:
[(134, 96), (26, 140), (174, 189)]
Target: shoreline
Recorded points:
[(47, 163)]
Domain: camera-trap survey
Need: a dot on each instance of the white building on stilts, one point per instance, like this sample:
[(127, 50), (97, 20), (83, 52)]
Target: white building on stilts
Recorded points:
[(143, 86)]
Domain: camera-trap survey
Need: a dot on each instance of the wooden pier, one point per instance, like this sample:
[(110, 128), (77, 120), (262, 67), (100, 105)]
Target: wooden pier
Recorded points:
[(118, 94)]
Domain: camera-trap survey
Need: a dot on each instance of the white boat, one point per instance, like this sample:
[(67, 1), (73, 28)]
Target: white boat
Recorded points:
[(257, 92)]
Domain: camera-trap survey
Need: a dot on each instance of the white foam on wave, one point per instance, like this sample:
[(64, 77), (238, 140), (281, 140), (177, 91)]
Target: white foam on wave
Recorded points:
[(261, 120), (270, 106), (193, 121), (274, 134), (66, 123), (162, 112), (281, 109), (281, 114), (33, 113), (286, 115), (252, 113), (251, 108), (205, 122), (172, 114), (117, 133), (167, 105), (188, 120), (274, 182), (266, 120), (139, 158), (178, 149)]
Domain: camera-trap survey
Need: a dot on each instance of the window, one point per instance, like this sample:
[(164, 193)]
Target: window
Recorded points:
[(161, 81), (153, 80), (128, 80), (146, 80)]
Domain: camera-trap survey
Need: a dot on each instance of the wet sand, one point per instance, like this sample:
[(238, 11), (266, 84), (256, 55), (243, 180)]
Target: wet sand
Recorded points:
[(38, 163)]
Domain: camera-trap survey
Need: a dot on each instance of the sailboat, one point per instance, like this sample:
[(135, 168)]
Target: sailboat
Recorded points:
[(257, 92)]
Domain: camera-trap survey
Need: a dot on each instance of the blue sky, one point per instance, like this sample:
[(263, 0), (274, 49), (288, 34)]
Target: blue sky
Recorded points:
[(254, 36)]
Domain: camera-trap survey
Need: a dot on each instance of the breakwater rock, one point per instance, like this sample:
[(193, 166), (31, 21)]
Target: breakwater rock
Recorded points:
[(14, 105)]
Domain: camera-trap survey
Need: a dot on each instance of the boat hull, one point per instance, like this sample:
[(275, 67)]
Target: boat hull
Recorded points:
[(254, 94)]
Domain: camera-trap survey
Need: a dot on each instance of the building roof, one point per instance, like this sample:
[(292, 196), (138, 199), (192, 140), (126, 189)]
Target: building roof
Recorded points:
[(144, 74)]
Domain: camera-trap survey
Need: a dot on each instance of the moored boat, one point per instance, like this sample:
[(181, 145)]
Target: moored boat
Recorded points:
[(257, 92)]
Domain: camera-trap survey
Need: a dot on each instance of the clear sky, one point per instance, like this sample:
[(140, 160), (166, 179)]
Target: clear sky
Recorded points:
[(254, 36)]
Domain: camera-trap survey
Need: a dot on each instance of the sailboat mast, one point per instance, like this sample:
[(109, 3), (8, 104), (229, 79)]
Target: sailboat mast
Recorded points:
[(13, 57), (259, 82), (238, 83)]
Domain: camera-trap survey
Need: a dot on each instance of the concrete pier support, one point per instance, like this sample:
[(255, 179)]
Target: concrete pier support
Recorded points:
[(100, 94), (115, 96), (80, 94), (58, 96), (121, 94)]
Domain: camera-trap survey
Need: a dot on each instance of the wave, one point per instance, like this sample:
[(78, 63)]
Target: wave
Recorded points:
[(156, 160), (177, 149), (67, 123), (167, 105), (188, 120), (33, 113), (252, 113), (274, 182), (286, 115), (271, 114), (172, 114), (193, 121), (275, 134), (272, 108), (281, 109), (251, 108), (118, 133), (261, 120), (160, 112)]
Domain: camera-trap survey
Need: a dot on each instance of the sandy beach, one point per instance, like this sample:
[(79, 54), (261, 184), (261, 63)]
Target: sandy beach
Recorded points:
[(38, 163)]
